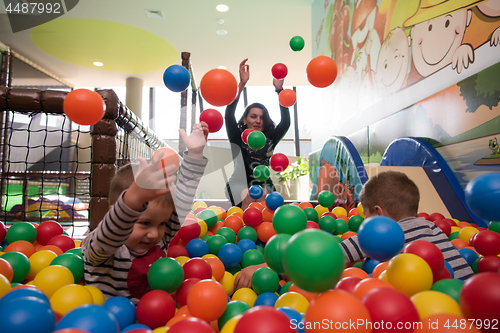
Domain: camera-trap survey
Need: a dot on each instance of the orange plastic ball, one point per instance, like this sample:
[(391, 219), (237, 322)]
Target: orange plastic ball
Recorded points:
[(170, 157), (218, 268), (379, 269), (267, 215), (321, 71), (287, 98), (355, 271), (365, 286), (218, 87), (207, 300), (84, 107), (308, 295), (6, 269), (234, 222), (265, 231), (21, 246)]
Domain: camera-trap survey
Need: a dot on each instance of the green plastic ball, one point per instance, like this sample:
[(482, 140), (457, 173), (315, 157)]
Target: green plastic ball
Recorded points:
[(72, 262), (234, 270), (311, 214), (209, 217), (474, 264), (166, 274), (289, 219), (256, 140), (233, 308), (20, 265), (206, 237), (450, 287), (354, 222), (327, 223), (260, 249), (21, 231), (76, 250), (313, 260), (341, 227), (252, 257), (285, 287), (358, 264), (265, 280), (228, 233), (326, 198), (274, 250), (247, 233), (261, 172), (494, 226), (453, 235), (215, 243), (297, 43)]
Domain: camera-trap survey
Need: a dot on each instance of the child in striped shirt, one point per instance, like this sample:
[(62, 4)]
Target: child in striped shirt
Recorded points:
[(143, 219), (393, 194)]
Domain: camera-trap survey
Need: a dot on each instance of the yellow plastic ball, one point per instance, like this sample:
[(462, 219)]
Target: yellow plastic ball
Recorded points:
[(97, 295), (321, 210), (216, 210), (246, 295), (69, 297), (455, 220), (182, 259), (199, 204), (4, 285), (339, 211), (78, 243), (455, 229), (293, 300), (234, 209), (383, 276), (161, 329), (409, 274), (204, 228), (466, 233), (231, 324), (360, 210), (431, 302), (209, 255), (39, 260), (51, 278), (227, 282)]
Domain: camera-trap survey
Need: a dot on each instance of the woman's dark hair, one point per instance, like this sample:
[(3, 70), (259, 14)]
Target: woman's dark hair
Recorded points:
[(268, 122)]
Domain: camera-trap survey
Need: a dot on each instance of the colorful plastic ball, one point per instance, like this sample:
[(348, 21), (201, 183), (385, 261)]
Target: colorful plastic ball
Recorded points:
[(256, 140), (6, 269), (355, 222), (26, 314), (21, 231), (209, 216), (341, 226), (435, 216), (265, 280), (215, 243), (72, 262), (176, 78), (489, 263), (46, 230), (391, 307), (266, 298), (21, 246), (482, 195), (327, 223), (265, 231), (274, 200), (234, 222), (263, 319), (480, 297), (63, 242), (167, 274), (155, 308), (297, 43), (246, 244), (134, 327), (20, 265), (252, 217), (487, 242), (69, 297), (3, 232), (207, 300), (213, 118), (255, 191), (449, 268), (381, 237), (191, 325), (348, 283), (175, 251), (247, 233), (70, 330), (218, 87), (430, 302), (450, 287), (311, 214), (305, 257), (51, 278), (196, 268), (246, 295), (182, 293), (469, 255), (289, 219), (90, 317), (296, 319), (409, 274), (279, 162), (189, 231), (245, 133), (287, 98), (326, 198), (293, 300), (337, 307), (234, 308), (279, 71), (197, 248), (251, 258), (218, 268), (321, 71), (429, 252), (369, 264), (122, 309), (230, 255), (84, 107), (169, 158)]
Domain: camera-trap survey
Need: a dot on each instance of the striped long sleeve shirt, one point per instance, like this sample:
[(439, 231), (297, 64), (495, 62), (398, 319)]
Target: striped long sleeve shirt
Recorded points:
[(418, 228), (109, 265)]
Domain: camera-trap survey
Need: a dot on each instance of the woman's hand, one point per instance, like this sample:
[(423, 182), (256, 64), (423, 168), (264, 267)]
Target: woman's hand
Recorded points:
[(244, 73), (278, 84)]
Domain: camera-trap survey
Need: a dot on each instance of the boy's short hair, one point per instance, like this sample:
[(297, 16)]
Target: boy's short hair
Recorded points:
[(123, 178), (394, 192)]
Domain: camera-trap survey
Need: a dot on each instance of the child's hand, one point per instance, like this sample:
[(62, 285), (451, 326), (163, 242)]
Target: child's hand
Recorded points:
[(196, 141), (150, 182)]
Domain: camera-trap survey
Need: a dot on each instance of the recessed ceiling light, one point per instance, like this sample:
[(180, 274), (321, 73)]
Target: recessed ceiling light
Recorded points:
[(222, 8), (221, 67), (222, 32), (98, 64)]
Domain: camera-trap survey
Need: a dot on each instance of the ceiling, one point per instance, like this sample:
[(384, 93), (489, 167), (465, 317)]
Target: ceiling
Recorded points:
[(147, 36)]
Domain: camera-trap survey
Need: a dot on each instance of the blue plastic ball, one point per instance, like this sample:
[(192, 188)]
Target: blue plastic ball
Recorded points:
[(381, 237), (483, 195), (135, 327), (90, 317), (469, 255), (230, 254), (24, 292), (255, 191), (369, 264), (296, 319), (266, 298), (274, 200), (449, 268), (26, 314), (197, 248), (246, 244), (176, 78), (122, 308)]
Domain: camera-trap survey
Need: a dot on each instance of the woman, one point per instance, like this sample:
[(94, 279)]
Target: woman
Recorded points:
[(255, 117)]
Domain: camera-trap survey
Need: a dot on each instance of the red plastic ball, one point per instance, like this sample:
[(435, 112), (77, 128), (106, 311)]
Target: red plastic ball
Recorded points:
[(155, 308), (244, 135), (63, 242), (487, 242), (436, 216), (252, 217), (197, 268), (207, 300), (444, 226), (191, 325), (279, 71), (348, 283), (480, 298), (287, 97), (264, 319), (46, 230), (190, 230), (84, 107), (279, 162), (445, 274), (429, 252), (213, 118), (177, 250), (312, 225), (489, 263), (424, 215), (3, 232), (321, 71), (218, 87), (182, 293), (170, 157)]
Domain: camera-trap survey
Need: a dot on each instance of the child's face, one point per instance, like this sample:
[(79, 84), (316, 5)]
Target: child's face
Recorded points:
[(150, 228)]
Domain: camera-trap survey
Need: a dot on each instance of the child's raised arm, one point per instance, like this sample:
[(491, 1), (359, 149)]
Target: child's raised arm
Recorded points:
[(196, 141)]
